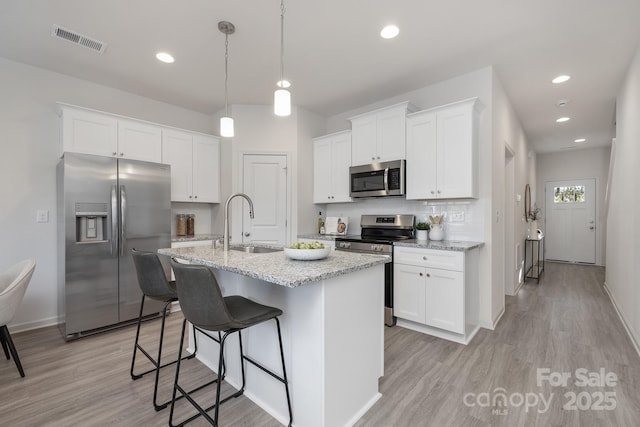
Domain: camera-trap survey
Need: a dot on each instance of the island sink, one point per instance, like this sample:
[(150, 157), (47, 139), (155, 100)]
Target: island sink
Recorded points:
[(255, 249)]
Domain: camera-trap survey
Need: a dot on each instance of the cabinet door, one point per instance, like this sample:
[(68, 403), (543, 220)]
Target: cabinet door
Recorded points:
[(139, 141), (391, 134), (364, 140), (89, 133), (341, 160), (177, 151), (409, 292), (322, 167), (206, 169), (456, 152), (421, 156), (445, 299)]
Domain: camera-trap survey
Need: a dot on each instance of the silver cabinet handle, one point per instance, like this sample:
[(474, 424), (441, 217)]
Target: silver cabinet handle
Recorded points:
[(195, 197), (438, 191), (114, 153), (591, 228), (421, 274), (428, 275), (424, 258), (433, 192), (121, 154), (378, 157), (373, 158), (247, 234)]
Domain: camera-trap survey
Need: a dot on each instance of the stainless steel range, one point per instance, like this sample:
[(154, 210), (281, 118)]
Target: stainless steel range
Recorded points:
[(377, 237)]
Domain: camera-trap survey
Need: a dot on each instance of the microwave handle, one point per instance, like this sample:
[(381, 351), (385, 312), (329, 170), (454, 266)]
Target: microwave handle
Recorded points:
[(386, 180)]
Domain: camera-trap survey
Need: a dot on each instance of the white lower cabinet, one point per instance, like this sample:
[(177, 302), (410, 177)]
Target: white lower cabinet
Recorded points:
[(436, 292)]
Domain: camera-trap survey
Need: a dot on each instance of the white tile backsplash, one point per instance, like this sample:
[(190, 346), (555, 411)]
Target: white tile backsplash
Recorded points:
[(470, 229)]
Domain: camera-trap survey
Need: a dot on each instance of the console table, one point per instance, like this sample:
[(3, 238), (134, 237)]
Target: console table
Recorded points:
[(534, 246)]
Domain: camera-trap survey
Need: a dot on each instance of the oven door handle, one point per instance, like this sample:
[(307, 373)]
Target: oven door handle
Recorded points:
[(386, 180)]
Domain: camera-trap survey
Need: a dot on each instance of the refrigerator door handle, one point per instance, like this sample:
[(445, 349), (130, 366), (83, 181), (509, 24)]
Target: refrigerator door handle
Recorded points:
[(114, 222), (123, 216)]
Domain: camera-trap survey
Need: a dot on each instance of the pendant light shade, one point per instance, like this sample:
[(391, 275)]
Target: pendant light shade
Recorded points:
[(282, 97), (226, 122), (282, 102), (226, 127)]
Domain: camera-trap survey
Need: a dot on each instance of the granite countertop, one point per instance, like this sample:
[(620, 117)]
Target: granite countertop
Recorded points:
[(196, 237), (442, 245), (318, 236), (276, 267)]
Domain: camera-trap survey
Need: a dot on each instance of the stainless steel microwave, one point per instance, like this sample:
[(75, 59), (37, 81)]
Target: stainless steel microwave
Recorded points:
[(377, 179)]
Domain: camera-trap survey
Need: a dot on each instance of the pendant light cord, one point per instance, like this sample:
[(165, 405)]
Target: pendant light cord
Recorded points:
[(281, 83), (226, 74)]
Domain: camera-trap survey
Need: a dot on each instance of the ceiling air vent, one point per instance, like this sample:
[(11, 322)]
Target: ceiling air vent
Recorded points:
[(78, 39)]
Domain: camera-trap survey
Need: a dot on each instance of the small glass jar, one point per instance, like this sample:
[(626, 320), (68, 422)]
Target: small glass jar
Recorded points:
[(181, 224), (191, 225)]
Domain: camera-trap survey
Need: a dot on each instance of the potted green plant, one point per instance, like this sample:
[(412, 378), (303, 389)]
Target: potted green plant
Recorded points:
[(422, 230)]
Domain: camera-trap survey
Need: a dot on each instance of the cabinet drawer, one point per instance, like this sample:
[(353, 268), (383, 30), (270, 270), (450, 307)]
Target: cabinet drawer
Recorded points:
[(431, 258)]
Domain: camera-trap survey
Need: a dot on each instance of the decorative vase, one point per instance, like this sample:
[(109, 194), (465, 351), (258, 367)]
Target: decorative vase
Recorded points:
[(422, 234), (532, 230), (437, 232)]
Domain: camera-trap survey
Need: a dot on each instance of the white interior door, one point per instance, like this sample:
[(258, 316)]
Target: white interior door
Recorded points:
[(570, 220), (265, 182)]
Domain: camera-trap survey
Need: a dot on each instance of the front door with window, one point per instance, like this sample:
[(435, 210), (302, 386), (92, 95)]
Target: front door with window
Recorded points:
[(570, 220)]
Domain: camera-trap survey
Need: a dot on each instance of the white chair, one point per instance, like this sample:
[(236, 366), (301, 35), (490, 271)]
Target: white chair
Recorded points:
[(13, 284)]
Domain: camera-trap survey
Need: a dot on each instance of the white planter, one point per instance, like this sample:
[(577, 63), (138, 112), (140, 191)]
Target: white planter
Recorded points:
[(422, 234), (437, 232)]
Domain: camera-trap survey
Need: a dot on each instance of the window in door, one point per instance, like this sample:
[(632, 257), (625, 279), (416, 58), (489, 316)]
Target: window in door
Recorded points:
[(569, 194)]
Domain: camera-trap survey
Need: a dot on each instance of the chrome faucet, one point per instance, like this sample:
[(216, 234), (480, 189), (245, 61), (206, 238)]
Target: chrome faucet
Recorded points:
[(225, 237)]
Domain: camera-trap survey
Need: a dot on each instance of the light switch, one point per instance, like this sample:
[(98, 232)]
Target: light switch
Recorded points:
[(42, 216), (518, 197), (456, 216)]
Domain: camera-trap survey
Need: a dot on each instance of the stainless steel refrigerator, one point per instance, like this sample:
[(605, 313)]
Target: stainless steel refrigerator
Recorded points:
[(107, 206)]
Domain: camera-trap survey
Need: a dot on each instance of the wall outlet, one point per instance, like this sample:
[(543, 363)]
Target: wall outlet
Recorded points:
[(42, 216), (456, 216)]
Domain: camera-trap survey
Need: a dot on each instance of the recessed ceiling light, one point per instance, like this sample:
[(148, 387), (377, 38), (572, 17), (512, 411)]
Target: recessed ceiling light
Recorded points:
[(561, 79), (580, 140), (164, 57), (389, 32), (283, 84), (563, 119)]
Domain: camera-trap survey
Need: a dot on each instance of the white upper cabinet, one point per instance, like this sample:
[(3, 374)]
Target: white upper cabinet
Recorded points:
[(331, 161), (442, 152), (89, 132), (206, 168), (380, 135), (92, 132), (139, 141), (195, 166)]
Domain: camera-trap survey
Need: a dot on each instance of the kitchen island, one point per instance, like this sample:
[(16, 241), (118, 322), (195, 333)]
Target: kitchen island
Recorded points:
[(332, 330)]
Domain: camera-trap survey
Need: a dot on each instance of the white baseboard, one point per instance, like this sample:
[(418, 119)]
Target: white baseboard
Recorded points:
[(621, 316), (35, 324), (499, 316)]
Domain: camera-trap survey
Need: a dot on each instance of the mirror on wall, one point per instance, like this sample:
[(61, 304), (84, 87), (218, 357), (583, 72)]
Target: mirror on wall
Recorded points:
[(527, 202)]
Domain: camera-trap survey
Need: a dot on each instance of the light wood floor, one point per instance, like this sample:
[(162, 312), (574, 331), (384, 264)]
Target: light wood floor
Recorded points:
[(565, 323)]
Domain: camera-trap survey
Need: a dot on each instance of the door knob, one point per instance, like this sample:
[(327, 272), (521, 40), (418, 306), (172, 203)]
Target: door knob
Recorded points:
[(247, 234)]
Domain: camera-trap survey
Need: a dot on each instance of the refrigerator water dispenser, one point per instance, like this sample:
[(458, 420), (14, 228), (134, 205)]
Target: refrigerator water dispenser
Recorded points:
[(91, 222)]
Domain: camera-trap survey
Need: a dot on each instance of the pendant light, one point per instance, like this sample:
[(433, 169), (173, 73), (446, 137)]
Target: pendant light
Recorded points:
[(282, 97), (226, 122)]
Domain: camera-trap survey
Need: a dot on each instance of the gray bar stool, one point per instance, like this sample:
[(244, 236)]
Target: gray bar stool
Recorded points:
[(153, 284), (204, 306)]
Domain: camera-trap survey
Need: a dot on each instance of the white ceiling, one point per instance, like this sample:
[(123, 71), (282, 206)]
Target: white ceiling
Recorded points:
[(335, 58)]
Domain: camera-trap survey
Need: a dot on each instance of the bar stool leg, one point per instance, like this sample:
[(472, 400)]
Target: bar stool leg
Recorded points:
[(135, 344), (284, 372)]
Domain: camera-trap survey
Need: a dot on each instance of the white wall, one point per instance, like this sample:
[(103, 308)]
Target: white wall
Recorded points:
[(623, 232), (578, 164), (508, 242), (30, 143)]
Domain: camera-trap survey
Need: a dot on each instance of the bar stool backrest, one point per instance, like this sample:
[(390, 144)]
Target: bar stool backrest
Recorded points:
[(201, 299), (151, 278)]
